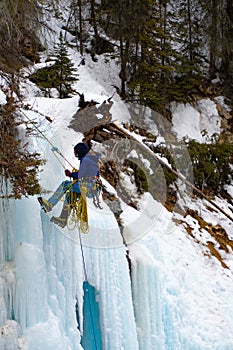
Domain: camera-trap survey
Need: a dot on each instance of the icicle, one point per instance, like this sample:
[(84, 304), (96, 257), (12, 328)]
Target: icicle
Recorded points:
[(31, 286)]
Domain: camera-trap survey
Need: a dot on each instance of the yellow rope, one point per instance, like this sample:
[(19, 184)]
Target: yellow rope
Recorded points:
[(82, 216), (79, 215)]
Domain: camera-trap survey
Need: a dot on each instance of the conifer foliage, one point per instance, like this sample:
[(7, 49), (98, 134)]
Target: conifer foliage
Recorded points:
[(60, 75), (211, 164), (18, 167), (153, 69), (19, 41), (168, 49), (63, 69)]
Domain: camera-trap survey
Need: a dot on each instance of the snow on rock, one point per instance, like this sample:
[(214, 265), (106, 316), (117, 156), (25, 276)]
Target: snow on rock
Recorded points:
[(187, 275), (3, 100), (190, 121), (172, 275), (9, 335)]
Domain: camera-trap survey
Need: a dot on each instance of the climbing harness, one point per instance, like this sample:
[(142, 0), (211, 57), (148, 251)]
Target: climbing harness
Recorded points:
[(93, 187), (78, 204), (79, 215), (89, 188)]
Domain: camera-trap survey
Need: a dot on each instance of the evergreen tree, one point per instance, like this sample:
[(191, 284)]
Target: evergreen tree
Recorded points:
[(45, 78), (214, 29), (212, 164), (63, 69), (190, 60), (60, 75), (120, 20), (153, 68), (227, 52), (137, 30), (75, 22), (18, 167)]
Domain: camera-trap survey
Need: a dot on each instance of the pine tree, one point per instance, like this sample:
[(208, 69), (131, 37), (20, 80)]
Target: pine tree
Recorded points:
[(60, 75), (153, 68), (190, 60), (120, 21), (63, 69), (18, 167), (227, 52), (214, 30), (211, 164)]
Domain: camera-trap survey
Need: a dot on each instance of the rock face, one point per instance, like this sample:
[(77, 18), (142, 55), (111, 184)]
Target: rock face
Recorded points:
[(90, 117), (226, 123)]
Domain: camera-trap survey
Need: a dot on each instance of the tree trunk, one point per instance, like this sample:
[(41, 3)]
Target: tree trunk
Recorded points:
[(80, 26), (214, 37), (227, 54), (124, 55), (190, 31), (94, 25)]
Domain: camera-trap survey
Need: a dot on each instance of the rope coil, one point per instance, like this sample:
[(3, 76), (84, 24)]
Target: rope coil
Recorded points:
[(79, 216)]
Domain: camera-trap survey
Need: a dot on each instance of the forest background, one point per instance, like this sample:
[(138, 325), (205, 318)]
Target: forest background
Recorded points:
[(166, 51)]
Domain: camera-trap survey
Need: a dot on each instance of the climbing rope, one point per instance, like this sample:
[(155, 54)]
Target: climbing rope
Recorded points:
[(83, 259), (79, 217), (54, 148)]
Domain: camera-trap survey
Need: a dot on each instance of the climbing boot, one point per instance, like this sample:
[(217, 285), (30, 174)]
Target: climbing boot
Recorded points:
[(59, 221), (62, 219), (46, 205)]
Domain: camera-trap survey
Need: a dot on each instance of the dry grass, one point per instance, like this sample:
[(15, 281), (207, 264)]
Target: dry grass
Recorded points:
[(223, 243)]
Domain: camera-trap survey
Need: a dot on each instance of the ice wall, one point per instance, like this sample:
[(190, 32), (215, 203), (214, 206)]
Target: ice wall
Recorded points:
[(32, 314), (41, 279), (10, 331), (147, 298)]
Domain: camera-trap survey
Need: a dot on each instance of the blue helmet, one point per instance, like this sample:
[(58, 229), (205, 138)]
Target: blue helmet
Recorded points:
[(80, 150)]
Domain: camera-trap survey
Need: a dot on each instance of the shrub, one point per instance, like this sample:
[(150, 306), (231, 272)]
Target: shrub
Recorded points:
[(212, 164), (18, 167)]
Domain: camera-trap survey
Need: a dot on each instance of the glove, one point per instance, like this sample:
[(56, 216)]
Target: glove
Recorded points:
[(67, 172)]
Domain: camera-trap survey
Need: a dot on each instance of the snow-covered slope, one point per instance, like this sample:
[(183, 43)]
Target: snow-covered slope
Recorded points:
[(177, 297), (174, 295)]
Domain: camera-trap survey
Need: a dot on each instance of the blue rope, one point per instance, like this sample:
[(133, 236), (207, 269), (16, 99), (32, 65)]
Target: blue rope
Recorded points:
[(88, 295), (84, 264)]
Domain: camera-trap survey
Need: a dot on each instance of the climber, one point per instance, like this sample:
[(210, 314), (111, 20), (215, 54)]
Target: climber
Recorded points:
[(87, 175)]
